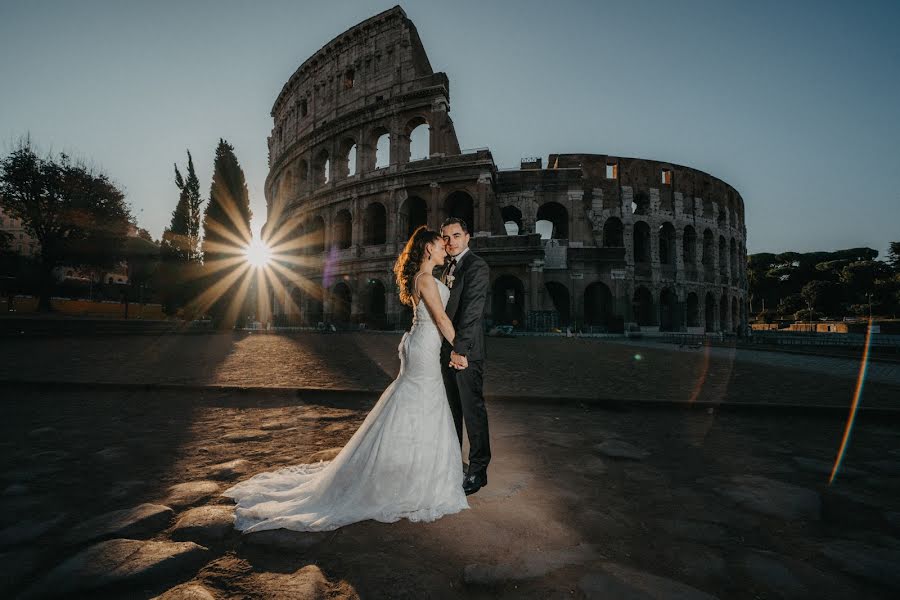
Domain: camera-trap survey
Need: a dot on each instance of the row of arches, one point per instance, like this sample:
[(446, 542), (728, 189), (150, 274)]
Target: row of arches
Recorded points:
[(667, 237), (337, 306), (352, 155), (552, 212), (374, 225), (664, 310)]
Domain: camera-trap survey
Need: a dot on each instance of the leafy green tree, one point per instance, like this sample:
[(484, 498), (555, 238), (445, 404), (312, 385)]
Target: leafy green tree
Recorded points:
[(790, 304), (76, 215), (824, 296)]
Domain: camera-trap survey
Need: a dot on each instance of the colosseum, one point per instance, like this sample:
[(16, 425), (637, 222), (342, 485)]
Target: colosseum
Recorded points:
[(363, 151)]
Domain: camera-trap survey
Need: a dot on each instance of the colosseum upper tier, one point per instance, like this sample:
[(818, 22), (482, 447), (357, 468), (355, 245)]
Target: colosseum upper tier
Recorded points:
[(363, 151)]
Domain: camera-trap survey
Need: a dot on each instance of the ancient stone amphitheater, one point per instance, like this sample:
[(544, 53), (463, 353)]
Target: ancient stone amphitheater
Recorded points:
[(363, 150)]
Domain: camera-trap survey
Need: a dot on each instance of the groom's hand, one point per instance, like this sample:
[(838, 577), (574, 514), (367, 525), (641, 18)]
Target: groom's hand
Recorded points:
[(458, 361)]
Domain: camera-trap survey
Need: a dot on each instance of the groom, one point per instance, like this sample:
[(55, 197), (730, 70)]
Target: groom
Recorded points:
[(467, 276)]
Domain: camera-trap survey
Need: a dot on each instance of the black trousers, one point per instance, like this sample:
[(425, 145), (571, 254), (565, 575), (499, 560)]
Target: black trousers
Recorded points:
[(466, 398)]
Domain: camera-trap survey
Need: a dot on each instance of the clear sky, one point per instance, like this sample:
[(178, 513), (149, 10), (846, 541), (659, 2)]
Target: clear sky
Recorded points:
[(796, 104)]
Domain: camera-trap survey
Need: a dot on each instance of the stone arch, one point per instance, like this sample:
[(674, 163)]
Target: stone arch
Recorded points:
[(342, 230), (598, 303), (413, 214), (294, 310), (375, 224), (668, 310), (709, 312), (511, 214), (732, 258), (640, 204), (559, 296), (667, 244), (348, 154), (735, 316), (557, 214), (708, 246), (376, 304), (461, 205), (693, 310), (418, 133), (723, 313), (641, 242), (381, 148), (303, 170), (723, 257), (315, 310), (315, 235), (341, 303), (285, 185), (613, 233), (689, 245), (321, 168), (508, 301), (642, 306)]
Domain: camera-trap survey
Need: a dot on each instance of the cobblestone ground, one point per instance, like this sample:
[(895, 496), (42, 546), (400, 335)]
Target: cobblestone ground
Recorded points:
[(533, 366), (582, 502)]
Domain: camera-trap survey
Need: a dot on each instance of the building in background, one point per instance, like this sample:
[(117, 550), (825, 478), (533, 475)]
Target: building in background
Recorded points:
[(363, 151)]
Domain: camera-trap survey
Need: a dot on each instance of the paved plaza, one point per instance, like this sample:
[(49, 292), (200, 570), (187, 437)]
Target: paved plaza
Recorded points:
[(529, 367), (113, 491)]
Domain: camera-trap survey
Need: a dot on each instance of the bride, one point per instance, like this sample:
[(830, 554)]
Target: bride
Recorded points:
[(404, 461)]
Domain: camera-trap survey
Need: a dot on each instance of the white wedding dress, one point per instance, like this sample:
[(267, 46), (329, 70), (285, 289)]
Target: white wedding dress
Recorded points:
[(403, 462)]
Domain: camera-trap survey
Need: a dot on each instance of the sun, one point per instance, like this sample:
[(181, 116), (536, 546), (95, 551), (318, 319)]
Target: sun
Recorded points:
[(257, 253)]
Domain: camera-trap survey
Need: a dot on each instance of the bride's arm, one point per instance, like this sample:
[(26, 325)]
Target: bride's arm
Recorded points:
[(428, 292)]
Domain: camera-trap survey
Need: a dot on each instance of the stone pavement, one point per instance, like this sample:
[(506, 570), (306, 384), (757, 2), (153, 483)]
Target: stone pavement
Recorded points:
[(534, 367), (877, 372), (112, 493)]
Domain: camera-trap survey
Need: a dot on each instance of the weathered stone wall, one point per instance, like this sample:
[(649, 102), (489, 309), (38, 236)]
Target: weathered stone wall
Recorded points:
[(635, 242)]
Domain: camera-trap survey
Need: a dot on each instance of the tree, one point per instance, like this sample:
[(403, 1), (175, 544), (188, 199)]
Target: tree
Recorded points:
[(190, 192), (226, 232), (144, 234), (824, 296), (790, 304), (5, 241), (180, 247), (893, 257), (76, 215)]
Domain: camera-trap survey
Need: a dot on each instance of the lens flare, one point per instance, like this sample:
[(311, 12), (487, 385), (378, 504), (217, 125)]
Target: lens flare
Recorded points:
[(258, 253), (860, 380)]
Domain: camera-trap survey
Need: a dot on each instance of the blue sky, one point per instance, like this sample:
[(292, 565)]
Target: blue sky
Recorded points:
[(796, 104)]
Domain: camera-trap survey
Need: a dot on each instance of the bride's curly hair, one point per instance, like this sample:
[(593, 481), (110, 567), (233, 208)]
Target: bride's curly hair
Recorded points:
[(410, 260)]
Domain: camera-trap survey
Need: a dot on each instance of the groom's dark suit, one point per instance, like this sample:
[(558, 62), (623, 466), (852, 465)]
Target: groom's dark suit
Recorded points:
[(465, 308)]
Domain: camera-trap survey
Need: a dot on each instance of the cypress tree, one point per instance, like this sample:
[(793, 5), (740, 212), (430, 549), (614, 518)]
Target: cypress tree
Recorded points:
[(226, 221), (226, 232)]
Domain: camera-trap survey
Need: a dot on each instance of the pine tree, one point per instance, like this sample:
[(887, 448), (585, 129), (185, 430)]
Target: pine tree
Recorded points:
[(226, 232)]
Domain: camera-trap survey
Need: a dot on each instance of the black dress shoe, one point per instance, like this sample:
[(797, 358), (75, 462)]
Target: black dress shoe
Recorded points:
[(474, 482)]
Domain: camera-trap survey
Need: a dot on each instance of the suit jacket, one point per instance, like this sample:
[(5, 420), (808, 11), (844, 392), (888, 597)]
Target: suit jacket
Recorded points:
[(465, 307)]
